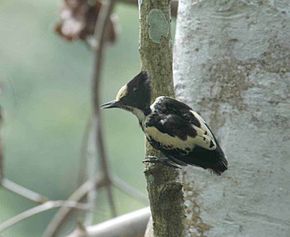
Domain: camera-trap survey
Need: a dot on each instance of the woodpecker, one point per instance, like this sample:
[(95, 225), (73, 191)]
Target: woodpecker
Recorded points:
[(171, 127)]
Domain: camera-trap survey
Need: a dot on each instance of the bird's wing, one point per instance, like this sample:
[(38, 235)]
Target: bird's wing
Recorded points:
[(188, 119), (169, 106), (180, 131)]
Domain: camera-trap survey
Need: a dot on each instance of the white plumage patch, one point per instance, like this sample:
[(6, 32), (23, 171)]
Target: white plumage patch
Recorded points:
[(175, 142), (157, 100), (122, 92), (205, 137), (169, 141)]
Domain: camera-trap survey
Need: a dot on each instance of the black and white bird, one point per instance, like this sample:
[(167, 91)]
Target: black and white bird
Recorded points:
[(171, 126)]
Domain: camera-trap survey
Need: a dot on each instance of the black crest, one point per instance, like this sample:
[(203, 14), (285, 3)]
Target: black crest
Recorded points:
[(139, 91)]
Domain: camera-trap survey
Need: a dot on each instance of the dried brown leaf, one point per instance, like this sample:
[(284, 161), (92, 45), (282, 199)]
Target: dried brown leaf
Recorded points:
[(78, 19)]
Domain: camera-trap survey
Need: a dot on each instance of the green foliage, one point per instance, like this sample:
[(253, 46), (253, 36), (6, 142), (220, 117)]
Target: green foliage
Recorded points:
[(46, 99)]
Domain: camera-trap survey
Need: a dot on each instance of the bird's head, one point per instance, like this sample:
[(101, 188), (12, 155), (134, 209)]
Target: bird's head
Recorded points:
[(135, 96)]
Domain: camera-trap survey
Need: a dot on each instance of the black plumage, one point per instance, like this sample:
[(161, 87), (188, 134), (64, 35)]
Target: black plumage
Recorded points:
[(171, 127)]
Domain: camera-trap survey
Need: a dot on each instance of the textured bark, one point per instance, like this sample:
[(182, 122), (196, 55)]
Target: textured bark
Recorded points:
[(165, 192), (232, 64)]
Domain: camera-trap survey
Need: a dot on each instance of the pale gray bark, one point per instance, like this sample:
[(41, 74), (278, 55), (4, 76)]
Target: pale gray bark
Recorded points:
[(232, 64)]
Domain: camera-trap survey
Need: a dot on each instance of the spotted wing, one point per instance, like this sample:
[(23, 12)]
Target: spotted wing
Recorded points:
[(204, 132), (172, 131), (175, 123)]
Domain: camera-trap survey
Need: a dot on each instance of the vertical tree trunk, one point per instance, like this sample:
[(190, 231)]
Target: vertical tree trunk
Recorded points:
[(165, 192), (232, 64)]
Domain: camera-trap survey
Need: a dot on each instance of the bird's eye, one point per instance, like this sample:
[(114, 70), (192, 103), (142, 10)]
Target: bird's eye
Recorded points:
[(134, 89)]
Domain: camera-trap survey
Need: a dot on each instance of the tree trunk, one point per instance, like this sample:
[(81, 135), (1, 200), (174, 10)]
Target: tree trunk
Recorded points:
[(165, 192), (232, 64)]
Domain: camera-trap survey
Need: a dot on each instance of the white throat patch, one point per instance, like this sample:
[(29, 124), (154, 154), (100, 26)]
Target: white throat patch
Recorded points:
[(139, 114)]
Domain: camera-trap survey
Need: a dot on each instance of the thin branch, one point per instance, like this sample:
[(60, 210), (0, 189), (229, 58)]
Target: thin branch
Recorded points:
[(105, 176), (91, 172), (80, 231), (12, 186), (131, 191), (54, 226), (60, 217), (111, 200), (100, 35), (83, 151), (38, 209), (22, 191)]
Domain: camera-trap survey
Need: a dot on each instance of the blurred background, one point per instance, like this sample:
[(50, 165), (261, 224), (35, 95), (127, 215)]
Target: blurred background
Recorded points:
[(45, 98)]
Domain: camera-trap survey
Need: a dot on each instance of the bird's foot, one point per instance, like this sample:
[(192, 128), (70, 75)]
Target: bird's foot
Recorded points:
[(151, 159), (162, 160)]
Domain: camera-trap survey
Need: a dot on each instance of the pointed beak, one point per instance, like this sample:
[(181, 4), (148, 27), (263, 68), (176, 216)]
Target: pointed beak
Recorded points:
[(111, 104)]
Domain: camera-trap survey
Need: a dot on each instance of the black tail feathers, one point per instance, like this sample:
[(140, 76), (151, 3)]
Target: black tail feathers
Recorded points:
[(219, 166), (213, 160)]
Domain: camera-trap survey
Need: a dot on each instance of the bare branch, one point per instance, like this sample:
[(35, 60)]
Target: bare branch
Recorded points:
[(22, 191), (38, 209), (60, 217), (12, 186), (130, 225), (54, 226), (111, 200), (83, 152), (80, 231), (100, 36), (91, 158)]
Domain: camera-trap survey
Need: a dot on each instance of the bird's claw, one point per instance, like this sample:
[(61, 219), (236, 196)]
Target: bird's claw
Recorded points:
[(162, 160), (151, 159)]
